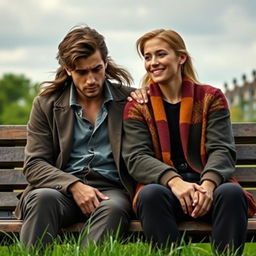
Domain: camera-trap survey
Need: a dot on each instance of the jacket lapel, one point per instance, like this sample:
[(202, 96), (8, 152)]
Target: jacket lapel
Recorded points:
[(115, 117), (64, 116)]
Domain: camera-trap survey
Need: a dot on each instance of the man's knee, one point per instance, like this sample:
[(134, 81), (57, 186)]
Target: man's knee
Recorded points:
[(41, 199), (115, 208)]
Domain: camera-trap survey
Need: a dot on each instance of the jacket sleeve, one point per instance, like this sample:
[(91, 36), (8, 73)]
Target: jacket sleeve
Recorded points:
[(138, 151), (40, 154), (220, 146)]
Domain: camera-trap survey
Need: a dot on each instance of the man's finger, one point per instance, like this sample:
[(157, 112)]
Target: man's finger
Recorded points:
[(101, 195)]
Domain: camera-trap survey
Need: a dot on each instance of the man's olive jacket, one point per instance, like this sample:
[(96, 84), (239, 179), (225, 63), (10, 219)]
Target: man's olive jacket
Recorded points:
[(50, 140)]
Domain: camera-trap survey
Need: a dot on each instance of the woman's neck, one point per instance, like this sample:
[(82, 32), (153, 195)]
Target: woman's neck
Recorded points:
[(172, 91)]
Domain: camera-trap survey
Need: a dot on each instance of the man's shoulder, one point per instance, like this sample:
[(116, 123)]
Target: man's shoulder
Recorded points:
[(53, 97), (119, 90)]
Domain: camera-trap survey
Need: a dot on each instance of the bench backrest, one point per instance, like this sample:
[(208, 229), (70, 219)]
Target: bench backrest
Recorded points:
[(13, 140)]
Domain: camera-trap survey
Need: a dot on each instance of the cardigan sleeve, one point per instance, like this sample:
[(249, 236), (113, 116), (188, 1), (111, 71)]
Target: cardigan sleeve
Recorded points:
[(138, 151), (220, 146)]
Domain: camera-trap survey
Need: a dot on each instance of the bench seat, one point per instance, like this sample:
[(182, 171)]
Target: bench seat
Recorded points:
[(12, 181)]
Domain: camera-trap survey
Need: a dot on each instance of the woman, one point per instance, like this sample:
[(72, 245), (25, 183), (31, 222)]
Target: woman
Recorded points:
[(183, 150)]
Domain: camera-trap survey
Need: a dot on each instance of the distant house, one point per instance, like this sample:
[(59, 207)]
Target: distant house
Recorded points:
[(242, 99)]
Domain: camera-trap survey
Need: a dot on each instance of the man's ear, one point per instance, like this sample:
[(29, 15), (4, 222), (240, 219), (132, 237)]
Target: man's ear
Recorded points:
[(106, 64), (68, 72)]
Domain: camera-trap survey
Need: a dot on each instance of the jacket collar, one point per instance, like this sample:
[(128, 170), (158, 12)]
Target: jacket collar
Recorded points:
[(64, 116)]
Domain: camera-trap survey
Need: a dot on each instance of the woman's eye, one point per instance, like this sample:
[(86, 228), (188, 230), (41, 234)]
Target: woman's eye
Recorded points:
[(146, 58), (161, 54)]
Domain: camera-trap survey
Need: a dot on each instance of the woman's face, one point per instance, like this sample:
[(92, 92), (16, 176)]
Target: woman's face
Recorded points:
[(161, 62)]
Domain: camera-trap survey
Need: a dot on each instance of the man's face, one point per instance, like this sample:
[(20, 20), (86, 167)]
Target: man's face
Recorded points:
[(88, 76)]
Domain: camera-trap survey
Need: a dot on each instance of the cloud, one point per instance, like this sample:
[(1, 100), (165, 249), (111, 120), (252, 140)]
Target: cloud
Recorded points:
[(219, 34)]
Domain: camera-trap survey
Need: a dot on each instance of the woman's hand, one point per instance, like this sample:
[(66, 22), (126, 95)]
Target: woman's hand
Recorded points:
[(186, 193), (203, 201), (140, 95)]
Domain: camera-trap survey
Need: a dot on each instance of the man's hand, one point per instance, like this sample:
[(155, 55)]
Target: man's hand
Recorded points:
[(86, 197), (203, 201), (140, 95), (185, 192)]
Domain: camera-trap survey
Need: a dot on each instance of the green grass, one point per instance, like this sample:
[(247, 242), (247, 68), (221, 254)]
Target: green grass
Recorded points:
[(112, 247)]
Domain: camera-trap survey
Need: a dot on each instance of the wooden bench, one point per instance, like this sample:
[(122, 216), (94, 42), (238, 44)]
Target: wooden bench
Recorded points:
[(13, 140)]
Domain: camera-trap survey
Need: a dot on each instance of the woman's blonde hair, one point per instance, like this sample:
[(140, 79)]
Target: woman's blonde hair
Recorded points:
[(176, 42)]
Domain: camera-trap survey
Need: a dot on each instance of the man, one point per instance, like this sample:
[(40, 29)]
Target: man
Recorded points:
[(72, 157)]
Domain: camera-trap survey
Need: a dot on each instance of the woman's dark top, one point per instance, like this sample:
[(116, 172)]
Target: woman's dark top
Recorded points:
[(172, 113)]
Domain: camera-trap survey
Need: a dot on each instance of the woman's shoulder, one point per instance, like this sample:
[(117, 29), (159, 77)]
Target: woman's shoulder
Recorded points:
[(135, 110), (211, 95), (207, 88)]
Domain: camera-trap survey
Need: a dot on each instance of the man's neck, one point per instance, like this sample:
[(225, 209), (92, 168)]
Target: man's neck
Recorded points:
[(91, 108)]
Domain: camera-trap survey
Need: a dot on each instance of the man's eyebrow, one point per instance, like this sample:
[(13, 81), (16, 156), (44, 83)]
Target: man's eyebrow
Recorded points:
[(87, 69)]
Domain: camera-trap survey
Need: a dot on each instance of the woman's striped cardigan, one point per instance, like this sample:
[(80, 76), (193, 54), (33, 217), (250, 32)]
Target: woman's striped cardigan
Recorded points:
[(206, 137)]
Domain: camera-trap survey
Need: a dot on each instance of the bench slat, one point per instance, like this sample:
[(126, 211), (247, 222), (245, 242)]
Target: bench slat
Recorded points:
[(246, 154), (244, 132), (13, 135), (14, 156), (14, 179), (246, 176), (19, 131), (135, 226), (11, 157), (9, 200)]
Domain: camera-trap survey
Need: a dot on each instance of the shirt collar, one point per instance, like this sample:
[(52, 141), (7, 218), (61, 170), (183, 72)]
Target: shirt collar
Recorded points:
[(73, 98)]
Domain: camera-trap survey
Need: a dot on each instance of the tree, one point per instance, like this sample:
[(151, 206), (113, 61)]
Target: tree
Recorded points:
[(16, 96), (236, 114)]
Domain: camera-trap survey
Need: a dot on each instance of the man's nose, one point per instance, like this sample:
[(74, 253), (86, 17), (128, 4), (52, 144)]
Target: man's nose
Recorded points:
[(91, 78)]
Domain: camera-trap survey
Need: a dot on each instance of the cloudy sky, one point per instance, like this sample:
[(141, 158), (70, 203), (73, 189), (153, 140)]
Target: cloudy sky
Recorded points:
[(220, 35)]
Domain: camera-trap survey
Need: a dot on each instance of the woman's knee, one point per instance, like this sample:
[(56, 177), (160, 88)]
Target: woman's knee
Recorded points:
[(229, 191), (230, 196), (155, 194)]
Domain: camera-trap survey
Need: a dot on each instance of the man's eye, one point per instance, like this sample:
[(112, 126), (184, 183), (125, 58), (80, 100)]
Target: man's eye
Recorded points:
[(97, 69), (81, 72)]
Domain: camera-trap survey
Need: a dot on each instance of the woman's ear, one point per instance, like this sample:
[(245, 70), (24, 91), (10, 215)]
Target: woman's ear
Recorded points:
[(183, 58)]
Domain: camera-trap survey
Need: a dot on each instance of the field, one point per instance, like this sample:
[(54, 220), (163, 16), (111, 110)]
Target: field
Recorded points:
[(112, 247)]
